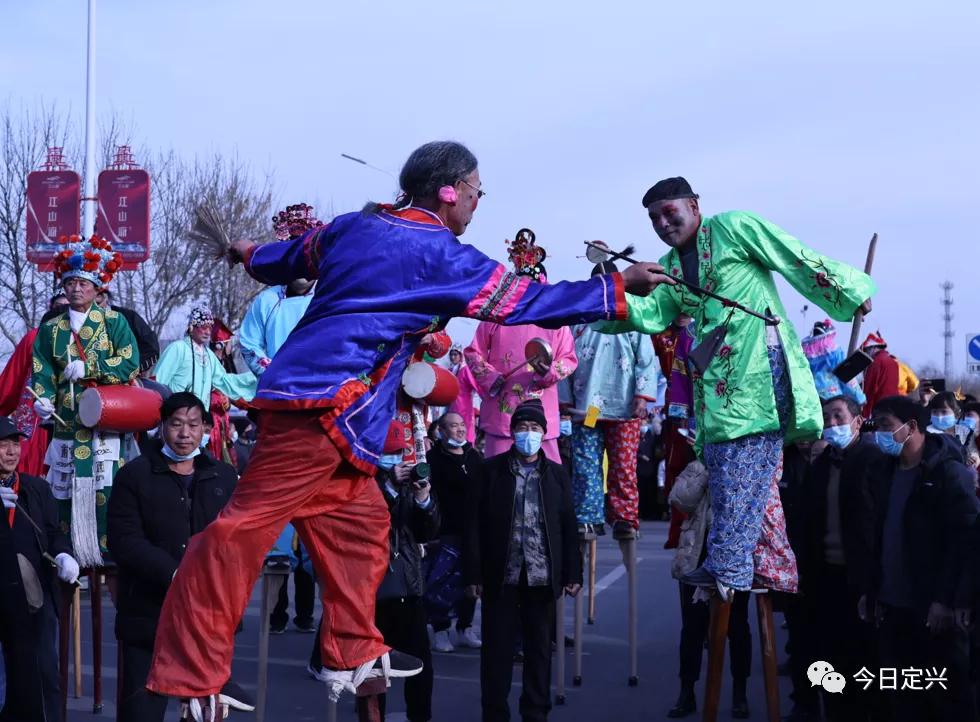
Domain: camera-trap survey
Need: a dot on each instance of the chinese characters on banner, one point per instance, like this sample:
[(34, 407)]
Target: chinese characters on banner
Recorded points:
[(54, 199), (123, 216)]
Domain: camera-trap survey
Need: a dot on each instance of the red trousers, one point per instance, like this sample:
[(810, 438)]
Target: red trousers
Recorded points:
[(295, 473)]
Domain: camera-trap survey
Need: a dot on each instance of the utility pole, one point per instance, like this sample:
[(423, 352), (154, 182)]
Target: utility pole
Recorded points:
[(947, 303), (88, 184)]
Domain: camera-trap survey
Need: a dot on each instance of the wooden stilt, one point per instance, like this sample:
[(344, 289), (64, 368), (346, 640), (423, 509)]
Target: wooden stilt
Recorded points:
[(95, 590), (579, 614), (64, 635), (369, 696), (272, 580), (592, 580), (76, 639), (560, 650), (717, 634), (767, 644), (629, 555)]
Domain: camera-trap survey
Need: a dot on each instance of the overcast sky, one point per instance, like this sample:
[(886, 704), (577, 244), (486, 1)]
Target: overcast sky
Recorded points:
[(834, 119)]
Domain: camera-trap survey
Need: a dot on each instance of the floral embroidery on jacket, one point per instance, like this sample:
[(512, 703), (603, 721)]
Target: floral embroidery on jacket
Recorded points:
[(822, 278)]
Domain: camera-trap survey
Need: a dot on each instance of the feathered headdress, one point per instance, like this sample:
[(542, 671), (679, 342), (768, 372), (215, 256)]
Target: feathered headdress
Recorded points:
[(92, 259), (526, 256), (294, 221)]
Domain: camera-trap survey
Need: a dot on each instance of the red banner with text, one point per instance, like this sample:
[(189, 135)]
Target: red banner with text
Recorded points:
[(54, 199), (123, 216)]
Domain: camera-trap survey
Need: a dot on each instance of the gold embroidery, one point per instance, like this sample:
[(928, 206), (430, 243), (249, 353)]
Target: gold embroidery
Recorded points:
[(99, 498), (110, 314), (38, 368), (86, 333), (64, 325), (104, 542), (83, 436), (39, 389), (96, 316), (82, 452), (126, 351), (113, 361)]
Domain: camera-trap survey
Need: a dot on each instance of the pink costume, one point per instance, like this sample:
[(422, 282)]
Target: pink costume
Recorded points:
[(463, 405), (494, 351)]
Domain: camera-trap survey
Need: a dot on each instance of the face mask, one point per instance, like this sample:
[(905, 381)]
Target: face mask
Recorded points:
[(174, 456), (886, 442), (234, 436), (528, 442), (840, 436), (205, 440), (389, 461), (565, 427), (456, 443), (943, 421), (969, 422)]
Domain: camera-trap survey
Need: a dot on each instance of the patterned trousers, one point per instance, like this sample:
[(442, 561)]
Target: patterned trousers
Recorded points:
[(621, 440), (742, 480)]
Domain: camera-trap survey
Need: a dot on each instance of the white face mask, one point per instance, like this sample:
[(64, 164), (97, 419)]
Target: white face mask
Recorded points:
[(174, 456)]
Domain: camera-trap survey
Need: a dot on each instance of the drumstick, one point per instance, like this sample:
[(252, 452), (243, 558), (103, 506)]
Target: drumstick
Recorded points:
[(53, 414), (47, 557)]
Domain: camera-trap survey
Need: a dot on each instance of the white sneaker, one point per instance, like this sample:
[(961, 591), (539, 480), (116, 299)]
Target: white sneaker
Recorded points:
[(441, 642), (468, 638)]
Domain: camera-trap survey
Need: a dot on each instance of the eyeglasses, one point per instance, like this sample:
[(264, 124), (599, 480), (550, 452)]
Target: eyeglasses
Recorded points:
[(479, 191)]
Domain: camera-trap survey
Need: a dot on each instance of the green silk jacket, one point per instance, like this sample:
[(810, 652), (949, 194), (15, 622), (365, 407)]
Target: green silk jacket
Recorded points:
[(737, 253)]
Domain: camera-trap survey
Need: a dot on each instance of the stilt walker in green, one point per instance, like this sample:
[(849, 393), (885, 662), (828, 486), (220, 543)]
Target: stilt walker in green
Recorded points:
[(84, 346)]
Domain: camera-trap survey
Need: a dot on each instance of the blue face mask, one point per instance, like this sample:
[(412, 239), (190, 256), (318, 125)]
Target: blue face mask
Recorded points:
[(528, 443), (456, 443), (389, 461), (886, 442), (205, 440), (565, 427), (943, 421), (840, 436), (174, 456), (969, 422)]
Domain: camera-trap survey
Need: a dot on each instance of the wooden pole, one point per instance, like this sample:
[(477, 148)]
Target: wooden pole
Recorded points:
[(592, 581), (859, 317), (579, 615), (95, 591), (560, 650), (272, 581), (630, 559), (717, 634), (76, 637), (767, 644)]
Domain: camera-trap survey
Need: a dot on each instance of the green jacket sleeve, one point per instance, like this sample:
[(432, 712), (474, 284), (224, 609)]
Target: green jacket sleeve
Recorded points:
[(234, 386), (124, 364), (647, 314), (44, 379), (839, 289), (169, 364)]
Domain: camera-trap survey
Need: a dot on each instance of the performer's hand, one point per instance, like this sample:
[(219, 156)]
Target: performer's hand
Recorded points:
[(237, 251), (75, 370), (639, 408), (421, 490), (474, 591), (865, 308), (67, 568), (641, 278), (572, 590), (939, 618), (540, 367), (426, 341), (44, 409), (9, 497)]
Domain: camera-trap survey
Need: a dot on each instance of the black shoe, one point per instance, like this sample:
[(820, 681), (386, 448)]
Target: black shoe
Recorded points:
[(740, 707), (307, 627), (236, 697), (599, 529), (277, 628), (569, 642), (399, 665), (700, 577), (684, 706), (801, 713), (518, 657)]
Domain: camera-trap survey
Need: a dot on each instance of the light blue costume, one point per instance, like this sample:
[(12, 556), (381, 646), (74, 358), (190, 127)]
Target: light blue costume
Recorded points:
[(186, 366), (268, 322), (611, 372)]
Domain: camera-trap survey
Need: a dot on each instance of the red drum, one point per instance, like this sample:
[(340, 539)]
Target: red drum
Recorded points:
[(123, 409), (430, 383)]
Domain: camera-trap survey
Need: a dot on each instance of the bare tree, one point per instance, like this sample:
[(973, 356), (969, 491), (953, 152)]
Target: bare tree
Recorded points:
[(25, 135)]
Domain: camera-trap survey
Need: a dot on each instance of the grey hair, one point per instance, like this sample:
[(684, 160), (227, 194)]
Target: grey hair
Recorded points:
[(433, 165)]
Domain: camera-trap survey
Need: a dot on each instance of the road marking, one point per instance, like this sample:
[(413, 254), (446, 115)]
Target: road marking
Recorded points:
[(610, 578)]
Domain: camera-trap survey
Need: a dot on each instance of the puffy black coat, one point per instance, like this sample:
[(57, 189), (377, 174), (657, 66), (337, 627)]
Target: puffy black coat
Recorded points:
[(452, 475), (411, 525), (491, 514), (940, 513), (150, 521)]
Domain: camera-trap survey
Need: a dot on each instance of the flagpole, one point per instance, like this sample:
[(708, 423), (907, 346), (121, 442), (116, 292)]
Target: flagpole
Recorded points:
[(88, 197)]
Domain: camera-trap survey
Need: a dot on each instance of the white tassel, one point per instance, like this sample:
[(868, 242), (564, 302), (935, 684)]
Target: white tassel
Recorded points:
[(84, 529)]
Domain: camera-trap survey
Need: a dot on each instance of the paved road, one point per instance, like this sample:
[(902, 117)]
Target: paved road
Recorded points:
[(603, 697)]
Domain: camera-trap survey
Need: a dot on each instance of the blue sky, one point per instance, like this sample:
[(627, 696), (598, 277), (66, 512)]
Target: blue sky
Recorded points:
[(834, 121)]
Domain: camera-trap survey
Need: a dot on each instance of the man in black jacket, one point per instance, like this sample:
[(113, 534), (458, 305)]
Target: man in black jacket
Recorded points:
[(834, 541), (159, 500), (520, 553), (925, 506), (455, 465), (28, 499)]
